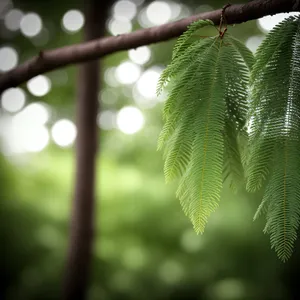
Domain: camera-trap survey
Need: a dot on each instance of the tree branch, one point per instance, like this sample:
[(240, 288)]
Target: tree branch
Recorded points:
[(60, 57)]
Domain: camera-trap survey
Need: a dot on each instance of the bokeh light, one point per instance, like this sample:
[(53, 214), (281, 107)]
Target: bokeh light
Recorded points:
[(254, 41), (145, 88), (106, 120), (39, 86), (171, 271), (269, 22), (119, 26), (229, 288), (73, 20), (191, 242), (35, 113), (147, 83), (31, 24), (48, 236), (124, 9), (176, 9), (64, 133), (5, 5), (130, 120), (12, 19), (134, 258), (33, 139), (26, 131), (141, 55), (185, 11), (128, 72), (159, 12), (8, 58), (13, 99), (110, 77)]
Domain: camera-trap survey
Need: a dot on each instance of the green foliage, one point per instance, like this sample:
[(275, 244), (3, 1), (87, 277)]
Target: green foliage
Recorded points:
[(205, 121), (184, 43), (204, 115), (274, 133)]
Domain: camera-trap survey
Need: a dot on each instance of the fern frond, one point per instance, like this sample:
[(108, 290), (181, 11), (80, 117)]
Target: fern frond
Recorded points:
[(262, 209), (260, 160), (244, 52), (239, 60), (233, 167), (182, 42), (274, 45), (275, 134), (178, 154), (180, 63), (204, 115), (182, 45), (283, 195), (181, 94)]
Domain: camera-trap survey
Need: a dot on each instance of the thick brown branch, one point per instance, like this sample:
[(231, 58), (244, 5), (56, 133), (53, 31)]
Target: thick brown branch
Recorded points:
[(60, 57)]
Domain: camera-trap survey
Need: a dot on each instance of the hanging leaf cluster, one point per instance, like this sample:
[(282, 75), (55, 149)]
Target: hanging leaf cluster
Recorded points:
[(217, 88)]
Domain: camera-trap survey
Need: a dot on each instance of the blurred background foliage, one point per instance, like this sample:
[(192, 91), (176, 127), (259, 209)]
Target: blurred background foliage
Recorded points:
[(145, 247)]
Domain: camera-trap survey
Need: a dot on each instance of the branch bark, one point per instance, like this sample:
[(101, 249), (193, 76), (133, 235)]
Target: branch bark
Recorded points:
[(57, 58), (82, 222)]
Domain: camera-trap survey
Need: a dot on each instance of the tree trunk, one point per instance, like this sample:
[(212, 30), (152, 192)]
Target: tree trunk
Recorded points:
[(82, 219)]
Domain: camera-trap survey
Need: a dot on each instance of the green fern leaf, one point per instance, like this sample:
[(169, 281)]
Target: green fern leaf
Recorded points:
[(180, 62), (181, 93), (183, 41), (244, 52), (275, 134), (237, 69), (205, 114)]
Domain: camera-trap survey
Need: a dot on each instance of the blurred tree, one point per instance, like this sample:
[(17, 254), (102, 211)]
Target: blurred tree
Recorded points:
[(82, 224)]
